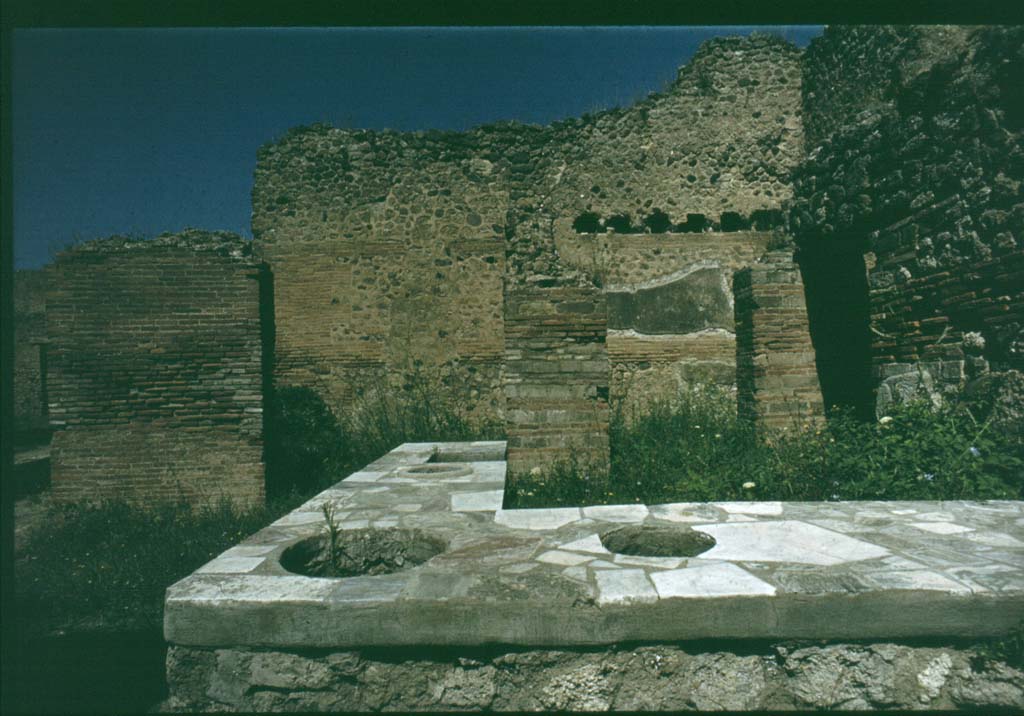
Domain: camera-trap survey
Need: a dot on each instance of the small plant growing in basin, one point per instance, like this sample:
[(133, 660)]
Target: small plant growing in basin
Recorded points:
[(369, 551)]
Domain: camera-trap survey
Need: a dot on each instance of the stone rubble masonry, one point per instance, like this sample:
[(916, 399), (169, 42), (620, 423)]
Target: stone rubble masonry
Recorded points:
[(926, 182), (155, 375), (391, 248), (556, 377), (776, 375), (30, 347), (858, 677)]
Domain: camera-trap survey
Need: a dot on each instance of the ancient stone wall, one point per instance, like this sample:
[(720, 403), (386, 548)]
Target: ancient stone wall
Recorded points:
[(365, 231), (927, 187), (155, 369), (859, 70), (30, 404), (776, 376)]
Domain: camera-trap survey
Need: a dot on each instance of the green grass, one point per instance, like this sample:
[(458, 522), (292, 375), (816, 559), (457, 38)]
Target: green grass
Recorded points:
[(694, 449)]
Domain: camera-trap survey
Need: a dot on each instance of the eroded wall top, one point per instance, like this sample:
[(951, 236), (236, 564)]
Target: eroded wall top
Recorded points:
[(723, 137)]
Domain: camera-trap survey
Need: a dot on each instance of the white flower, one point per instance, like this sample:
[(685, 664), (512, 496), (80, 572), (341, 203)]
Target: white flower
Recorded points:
[(884, 420), (974, 451), (749, 485)]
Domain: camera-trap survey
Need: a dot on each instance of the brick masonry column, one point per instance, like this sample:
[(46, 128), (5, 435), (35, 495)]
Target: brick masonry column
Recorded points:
[(776, 376), (556, 376)]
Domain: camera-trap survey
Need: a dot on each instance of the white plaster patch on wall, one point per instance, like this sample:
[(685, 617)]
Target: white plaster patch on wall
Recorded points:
[(667, 278), (933, 678)]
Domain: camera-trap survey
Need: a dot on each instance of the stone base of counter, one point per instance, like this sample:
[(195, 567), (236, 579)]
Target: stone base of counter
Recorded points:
[(880, 676)]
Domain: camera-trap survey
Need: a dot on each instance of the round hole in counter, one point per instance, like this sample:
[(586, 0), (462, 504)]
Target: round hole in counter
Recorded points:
[(369, 551), (438, 469), (647, 541)]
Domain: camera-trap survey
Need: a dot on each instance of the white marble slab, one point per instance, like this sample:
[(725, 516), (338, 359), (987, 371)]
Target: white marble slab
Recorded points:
[(590, 543), (548, 519), (751, 508), (616, 513), (231, 565), (941, 528), (656, 562), (713, 580), (485, 501), (786, 541), (564, 558), (624, 586)]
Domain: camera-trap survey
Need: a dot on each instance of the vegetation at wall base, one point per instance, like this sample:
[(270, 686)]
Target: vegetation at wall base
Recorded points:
[(693, 448)]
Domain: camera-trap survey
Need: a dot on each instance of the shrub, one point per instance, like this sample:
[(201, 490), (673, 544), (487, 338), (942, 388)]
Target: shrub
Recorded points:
[(304, 442)]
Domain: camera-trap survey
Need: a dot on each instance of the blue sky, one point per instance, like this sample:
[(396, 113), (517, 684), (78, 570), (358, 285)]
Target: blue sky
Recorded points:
[(144, 131)]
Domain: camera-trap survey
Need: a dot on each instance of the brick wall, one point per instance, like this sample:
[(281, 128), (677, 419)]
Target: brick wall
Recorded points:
[(776, 376), (556, 376), (29, 351), (155, 373), (928, 187)]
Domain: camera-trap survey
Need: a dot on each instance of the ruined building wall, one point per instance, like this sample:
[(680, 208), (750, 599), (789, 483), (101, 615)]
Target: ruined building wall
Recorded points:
[(365, 230), (155, 374), (387, 252), (927, 188), (30, 409), (674, 183)]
